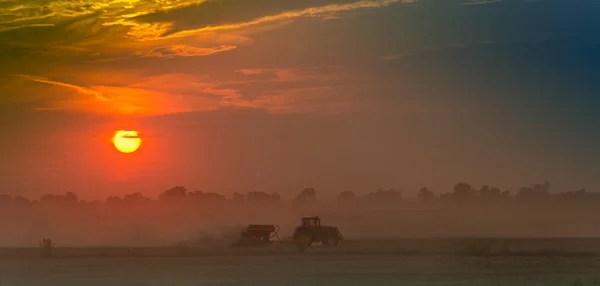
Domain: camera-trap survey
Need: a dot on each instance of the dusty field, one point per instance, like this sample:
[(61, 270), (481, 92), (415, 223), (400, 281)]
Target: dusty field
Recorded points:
[(364, 262), (479, 247), (303, 270)]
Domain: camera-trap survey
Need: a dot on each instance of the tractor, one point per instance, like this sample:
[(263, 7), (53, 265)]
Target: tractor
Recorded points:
[(311, 231)]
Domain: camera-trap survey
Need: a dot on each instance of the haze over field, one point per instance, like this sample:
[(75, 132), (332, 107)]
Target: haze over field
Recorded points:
[(211, 220)]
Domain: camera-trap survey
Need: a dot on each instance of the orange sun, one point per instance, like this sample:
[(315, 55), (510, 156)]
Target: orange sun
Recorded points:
[(127, 141)]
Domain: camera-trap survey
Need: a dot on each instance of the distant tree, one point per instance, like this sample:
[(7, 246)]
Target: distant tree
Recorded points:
[(496, 191), (347, 197), (51, 198), (485, 189), (490, 194), (239, 198), (70, 197), (536, 193), (308, 195), (206, 198), (542, 188), (173, 194), (21, 201), (135, 198), (425, 195), (463, 191), (578, 196), (113, 200)]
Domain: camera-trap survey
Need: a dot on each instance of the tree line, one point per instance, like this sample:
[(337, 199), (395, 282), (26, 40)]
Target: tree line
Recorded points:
[(461, 193)]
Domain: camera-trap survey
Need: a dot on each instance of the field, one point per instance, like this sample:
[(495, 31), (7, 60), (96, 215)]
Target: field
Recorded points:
[(368, 262)]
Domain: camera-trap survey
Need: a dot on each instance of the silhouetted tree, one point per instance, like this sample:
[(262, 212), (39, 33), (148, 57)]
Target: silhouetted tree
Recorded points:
[(113, 200), (579, 196), (463, 191), (490, 194), (21, 201), (308, 195), (174, 194), (135, 198), (51, 198), (425, 195), (347, 197), (537, 193), (238, 198), (542, 188), (206, 198), (70, 197)]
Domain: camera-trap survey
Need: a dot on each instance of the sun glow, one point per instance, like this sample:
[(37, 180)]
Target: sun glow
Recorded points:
[(127, 141)]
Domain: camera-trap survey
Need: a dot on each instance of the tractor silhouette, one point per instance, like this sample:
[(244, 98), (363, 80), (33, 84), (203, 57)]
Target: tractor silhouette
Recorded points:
[(259, 235), (311, 231)]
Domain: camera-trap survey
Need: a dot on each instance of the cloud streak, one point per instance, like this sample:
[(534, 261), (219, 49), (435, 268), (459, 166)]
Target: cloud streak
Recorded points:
[(395, 56), (324, 11), (83, 90), (4, 29), (477, 2), (173, 51)]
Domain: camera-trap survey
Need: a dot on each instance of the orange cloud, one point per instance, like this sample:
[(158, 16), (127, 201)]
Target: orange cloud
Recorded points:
[(276, 90), (166, 94), (143, 102), (184, 51), (96, 94)]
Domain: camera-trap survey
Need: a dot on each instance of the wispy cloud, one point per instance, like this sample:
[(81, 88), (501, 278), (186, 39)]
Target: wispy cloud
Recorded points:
[(10, 28), (251, 71), (324, 11), (83, 90), (156, 95), (184, 51), (395, 56), (478, 2)]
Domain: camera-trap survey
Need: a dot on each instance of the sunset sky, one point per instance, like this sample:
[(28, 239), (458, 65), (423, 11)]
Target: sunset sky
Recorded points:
[(277, 95)]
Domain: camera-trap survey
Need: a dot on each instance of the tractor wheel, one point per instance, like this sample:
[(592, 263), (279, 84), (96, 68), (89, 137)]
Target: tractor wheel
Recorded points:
[(303, 240), (331, 240)]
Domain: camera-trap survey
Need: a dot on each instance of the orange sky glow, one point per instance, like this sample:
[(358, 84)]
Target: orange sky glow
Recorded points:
[(278, 95)]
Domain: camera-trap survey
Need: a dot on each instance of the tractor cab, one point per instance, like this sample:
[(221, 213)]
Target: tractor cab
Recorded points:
[(311, 222)]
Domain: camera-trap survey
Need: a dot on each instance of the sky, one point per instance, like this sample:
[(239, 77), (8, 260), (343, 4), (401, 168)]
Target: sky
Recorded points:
[(278, 95)]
